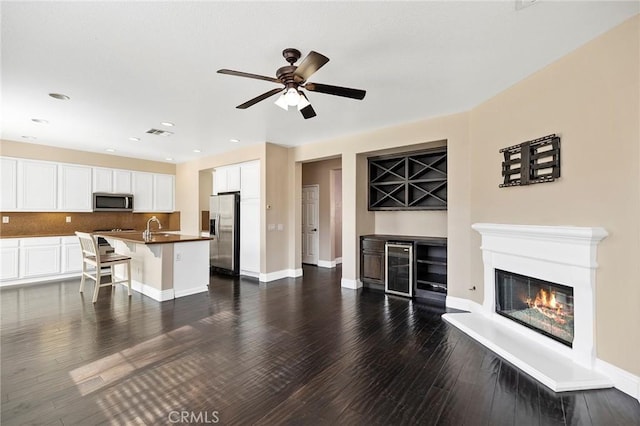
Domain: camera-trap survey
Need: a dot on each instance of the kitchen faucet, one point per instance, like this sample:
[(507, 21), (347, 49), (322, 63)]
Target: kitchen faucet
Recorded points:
[(147, 233)]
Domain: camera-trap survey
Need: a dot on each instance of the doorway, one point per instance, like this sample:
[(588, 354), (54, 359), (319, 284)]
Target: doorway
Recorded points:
[(310, 224)]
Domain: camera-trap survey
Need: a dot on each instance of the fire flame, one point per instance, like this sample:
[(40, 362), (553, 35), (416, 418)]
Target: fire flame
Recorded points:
[(546, 303)]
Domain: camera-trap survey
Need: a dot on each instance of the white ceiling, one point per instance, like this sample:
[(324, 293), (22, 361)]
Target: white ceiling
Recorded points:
[(128, 66)]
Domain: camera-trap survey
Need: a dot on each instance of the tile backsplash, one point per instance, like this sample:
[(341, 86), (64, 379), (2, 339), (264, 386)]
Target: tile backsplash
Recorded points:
[(33, 224)]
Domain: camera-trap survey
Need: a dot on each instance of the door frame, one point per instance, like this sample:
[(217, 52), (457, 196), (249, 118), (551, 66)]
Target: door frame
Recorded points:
[(317, 240)]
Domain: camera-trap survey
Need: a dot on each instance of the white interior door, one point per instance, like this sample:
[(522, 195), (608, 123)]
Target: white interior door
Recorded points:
[(310, 235)]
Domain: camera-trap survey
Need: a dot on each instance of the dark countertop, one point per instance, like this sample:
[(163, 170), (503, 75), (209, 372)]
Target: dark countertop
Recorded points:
[(407, 238), (62, 234), (156, 237)]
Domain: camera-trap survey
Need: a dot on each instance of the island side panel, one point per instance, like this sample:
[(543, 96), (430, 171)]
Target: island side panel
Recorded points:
[(151, 268), (190, 268)]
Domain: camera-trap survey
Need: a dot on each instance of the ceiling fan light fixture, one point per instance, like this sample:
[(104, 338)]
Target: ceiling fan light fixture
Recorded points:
[(282, 102), (292, 96)]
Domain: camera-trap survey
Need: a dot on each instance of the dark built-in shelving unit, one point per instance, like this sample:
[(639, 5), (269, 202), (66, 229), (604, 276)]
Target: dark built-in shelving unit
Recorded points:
[(429, 264), (410, 181)]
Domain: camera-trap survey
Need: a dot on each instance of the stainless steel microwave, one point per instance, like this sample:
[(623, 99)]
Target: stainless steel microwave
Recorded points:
[(106, 202)]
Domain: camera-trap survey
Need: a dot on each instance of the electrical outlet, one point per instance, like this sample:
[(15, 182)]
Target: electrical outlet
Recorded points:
[(271, 227), (280, 227), (5, 219), (68, 219), (178, 257)]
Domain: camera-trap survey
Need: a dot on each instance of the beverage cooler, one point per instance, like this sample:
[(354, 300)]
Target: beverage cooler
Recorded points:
[(398, 277)]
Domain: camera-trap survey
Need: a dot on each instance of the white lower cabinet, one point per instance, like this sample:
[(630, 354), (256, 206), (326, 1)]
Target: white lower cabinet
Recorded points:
[(71, 255), (10, 255), (39, 257), (27, 260)]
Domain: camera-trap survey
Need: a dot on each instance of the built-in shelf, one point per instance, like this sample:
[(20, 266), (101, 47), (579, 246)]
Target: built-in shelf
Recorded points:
[(411, 181)]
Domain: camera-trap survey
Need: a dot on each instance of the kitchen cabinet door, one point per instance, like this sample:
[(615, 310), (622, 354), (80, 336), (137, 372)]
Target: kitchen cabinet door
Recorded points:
[(142, 192), (250, 180), (250, 237), (122, 181), (75, 188), (71, 255), (9, 258), (102, 180), (37, 186), (9, 174), (219, 180), (233, 178), (163, 193), (39, 257)]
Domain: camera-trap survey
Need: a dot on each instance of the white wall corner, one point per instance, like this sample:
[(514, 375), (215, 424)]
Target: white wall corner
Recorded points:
[(295, 273), (463, 304), (350, 284), (622, 379)]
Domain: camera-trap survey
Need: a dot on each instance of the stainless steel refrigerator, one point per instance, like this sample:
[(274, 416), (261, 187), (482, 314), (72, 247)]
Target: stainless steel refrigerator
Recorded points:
[(224, 228)]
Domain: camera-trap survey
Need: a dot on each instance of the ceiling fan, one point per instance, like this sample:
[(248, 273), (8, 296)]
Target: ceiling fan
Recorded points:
[(294, 78)]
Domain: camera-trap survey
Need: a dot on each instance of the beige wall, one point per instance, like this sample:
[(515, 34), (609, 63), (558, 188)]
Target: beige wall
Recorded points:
[(277, 179), (590, 98), (62, 155), (336, 212), (319, 173)]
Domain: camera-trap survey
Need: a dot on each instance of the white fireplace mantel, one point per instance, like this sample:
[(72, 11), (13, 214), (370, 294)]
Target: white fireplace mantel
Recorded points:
[(561, 254)]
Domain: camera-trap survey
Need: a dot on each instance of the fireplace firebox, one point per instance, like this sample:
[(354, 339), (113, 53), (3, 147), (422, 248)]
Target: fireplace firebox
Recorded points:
[(540, 305)]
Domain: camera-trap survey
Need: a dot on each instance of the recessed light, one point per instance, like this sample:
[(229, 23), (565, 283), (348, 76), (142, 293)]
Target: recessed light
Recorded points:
[(39, 121), (110, 150), (31, 138), (134, 139), (234, 140), (196, 151), (59, 96), (167, 123), (169, 159)]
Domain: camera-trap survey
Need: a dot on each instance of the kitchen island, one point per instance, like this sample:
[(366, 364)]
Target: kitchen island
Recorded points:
[(165, 266)]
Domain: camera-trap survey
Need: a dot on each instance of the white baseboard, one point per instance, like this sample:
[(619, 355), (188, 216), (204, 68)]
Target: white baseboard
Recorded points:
[(278, 275), (36, 280), (250, 274), (326, 263), (190, 291), (350, 284), (152, 292), (622, 379), (463, 304), (338, 260)]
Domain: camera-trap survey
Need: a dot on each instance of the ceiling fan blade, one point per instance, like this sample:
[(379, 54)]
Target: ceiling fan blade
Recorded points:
[(308, 112), (248, 75), (310, 64), (336, 90), (259, 98)]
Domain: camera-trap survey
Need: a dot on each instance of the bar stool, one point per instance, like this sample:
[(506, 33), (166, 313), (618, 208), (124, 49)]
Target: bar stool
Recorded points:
[(91, 257)]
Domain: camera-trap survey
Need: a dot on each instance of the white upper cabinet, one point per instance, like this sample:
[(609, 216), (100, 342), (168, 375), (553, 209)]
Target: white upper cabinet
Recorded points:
[(153, 192), (9, 174), (111, 180), (122, 181), (226, 179), (163, 193), (250, 180), (75, 188), (37, 186), (142, 191), (102, 180)]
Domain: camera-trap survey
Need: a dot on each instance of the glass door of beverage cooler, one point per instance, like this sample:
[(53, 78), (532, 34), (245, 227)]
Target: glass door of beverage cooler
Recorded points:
[(399, 269)]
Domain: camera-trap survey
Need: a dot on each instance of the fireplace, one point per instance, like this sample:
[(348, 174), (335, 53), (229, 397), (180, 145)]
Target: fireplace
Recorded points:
[(539, 302), (540, 305)]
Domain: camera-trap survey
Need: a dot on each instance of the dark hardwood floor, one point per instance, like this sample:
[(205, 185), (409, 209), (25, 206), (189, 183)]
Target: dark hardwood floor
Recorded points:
[(300, 351)]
